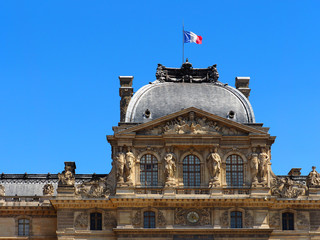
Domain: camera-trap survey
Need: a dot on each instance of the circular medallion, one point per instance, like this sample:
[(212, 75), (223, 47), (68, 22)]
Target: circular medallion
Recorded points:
[(193, 217)]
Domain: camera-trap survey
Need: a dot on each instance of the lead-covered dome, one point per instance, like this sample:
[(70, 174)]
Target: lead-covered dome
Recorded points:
[(180, 88)]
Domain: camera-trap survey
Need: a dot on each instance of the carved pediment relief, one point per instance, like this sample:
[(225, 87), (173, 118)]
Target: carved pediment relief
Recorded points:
[(193, 124), (284, 187)]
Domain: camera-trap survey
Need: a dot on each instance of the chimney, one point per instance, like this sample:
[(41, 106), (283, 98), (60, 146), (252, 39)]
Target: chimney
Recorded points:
[(125, 92), (242, 84)]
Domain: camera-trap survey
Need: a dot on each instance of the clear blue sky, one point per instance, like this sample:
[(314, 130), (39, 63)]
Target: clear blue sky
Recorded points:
[(60, 62)]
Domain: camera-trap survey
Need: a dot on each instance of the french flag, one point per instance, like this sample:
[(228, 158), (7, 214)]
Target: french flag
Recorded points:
[(191, 37)]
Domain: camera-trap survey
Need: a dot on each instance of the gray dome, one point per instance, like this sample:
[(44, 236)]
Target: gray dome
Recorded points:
[(159, 99)]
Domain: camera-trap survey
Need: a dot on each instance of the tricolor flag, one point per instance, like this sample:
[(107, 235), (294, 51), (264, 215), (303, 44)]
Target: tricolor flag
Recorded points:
[(191, 37)]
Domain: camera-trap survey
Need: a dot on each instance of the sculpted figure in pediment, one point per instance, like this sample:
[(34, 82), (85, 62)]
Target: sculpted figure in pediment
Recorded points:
[(214, 166), (170, 169)]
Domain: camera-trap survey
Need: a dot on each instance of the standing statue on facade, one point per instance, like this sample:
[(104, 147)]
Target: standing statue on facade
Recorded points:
[(67, 178), (313, 179), (120, 163), (170, 169), (130, 158), (214, 166), (254, 165), (263, 166)]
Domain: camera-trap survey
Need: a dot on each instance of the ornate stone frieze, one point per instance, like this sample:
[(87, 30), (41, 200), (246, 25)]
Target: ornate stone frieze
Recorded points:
[(67, 177), (192, 125), (81, 220), (284, 187), (95, 188), (214, 166), (274, 220), (110, 220), (162, 222), (137, 218), (303, 222), (313, 179), (124, 165), (48, 190), (248, 219), (170, 169), (2, 191), (187, 74), (179, 216), (224, 219)]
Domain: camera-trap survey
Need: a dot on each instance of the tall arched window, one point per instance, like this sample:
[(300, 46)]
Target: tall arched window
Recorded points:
[(236, 219), (234, 170), (287, 221), (23, 227), (148, 170), (191, 171), (95, 221), (149, 219)]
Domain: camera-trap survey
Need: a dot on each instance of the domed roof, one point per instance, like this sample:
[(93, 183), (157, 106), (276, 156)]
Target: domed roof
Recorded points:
[(175, 90)]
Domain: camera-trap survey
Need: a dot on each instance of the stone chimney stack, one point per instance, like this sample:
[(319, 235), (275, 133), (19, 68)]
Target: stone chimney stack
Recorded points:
[(125, 92), (242, 84)]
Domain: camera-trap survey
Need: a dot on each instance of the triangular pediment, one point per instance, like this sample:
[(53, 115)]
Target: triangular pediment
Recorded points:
[(192, 121)]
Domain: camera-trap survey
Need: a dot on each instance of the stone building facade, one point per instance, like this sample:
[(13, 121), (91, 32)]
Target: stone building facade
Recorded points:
[(188, 162)]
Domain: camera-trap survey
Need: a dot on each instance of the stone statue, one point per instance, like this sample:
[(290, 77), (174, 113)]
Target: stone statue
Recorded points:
[(48, 190), (120, 163), (95, 188), (213, 73), (313, 179), (254, 165), (2, 191), (130, 158), (170, 169), (67, 178), (214, 166), (160, 74), (263, 166)]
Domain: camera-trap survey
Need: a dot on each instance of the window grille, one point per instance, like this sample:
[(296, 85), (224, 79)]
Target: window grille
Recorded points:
[(149, 219), (191, 171), (287, 221), (23, 227), (95, 221), (236, 219), (234, 170), (148, 170)]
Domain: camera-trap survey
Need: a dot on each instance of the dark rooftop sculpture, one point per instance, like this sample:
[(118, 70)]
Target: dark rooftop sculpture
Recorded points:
[(187, 74)]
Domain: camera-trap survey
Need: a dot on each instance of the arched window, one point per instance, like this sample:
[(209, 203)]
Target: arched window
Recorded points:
[(234, 170), (287, 221), (191, 171), (236, 219), (95, 221), (23, 227), (149, 219), (148, 170)]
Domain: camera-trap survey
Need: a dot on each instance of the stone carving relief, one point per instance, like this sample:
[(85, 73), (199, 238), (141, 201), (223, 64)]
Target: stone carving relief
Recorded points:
[(162, 222), (67, 177), (274, 220), (2, 191), (224, 219), (302, 221), (313, 179), (110, 220), (259, 166), (170, 169), (124, 165), (95, 188), (136, 220), (214, 166), (248, 219), (81, 221), (254, 165), (192, 125), (263, 165), (48, 190), (180, 216), (284, 187)]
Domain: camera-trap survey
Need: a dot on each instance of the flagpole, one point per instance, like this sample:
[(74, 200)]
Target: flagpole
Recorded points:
[(182, 41)]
